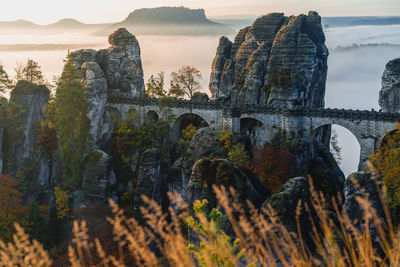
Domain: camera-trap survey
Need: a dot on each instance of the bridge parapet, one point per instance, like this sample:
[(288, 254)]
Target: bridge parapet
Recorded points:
[(297, 111)]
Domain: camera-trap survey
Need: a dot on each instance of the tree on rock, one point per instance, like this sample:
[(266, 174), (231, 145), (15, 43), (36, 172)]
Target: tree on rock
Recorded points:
[(71, 123), (185, 82), (155, 86), (5, 81), (32, 72)]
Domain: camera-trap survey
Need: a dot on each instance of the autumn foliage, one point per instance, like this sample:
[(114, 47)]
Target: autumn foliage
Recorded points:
[(47, 139), (11, 208), (273, 165), (387, 164)]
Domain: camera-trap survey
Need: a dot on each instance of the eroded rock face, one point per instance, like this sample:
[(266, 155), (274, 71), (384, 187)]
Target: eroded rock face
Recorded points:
[(326, 173), (362, 184), (221, 172), (285, 201), (223, 54), (122, 64), (203, 144), (96, 175), (31, 98), (149, 181), (117, 69), (200, 97), (278, 60), (96, 89), (389, 96)]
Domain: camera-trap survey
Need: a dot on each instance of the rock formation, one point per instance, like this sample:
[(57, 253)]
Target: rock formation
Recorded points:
[(96, 89), (285, 201), (362, 184), (278, 60), (149, 181), (389, 96), (200, 97), (116, 70), (203, 144), (122, 64), (221, 172), (95, 179), (31, 98), (326, 173)]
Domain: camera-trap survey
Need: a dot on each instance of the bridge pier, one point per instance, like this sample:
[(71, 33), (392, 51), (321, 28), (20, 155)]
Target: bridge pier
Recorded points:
[(367, 148), (235, 114)]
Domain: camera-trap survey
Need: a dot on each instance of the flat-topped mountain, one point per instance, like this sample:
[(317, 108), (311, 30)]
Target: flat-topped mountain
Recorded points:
[(168, 15), (169, 21)]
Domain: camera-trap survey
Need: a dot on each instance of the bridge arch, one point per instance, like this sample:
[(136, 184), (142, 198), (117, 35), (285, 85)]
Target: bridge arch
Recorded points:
[(151, 116), (254, 129), (344, 144), (182, 122)]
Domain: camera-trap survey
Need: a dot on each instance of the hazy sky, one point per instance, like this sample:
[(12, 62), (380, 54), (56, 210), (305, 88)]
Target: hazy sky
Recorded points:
[(94, 11)]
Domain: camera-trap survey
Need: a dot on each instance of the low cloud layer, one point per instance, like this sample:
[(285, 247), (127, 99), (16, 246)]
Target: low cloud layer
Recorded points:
[(354, 76)]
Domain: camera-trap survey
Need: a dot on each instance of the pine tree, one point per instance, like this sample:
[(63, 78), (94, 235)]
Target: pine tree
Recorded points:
[(71, 123), (155, 86), (5, 81), (335, 148), (32, 72)]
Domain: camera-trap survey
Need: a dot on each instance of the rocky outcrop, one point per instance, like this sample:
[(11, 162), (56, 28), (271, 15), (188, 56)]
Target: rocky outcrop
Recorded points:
[(122, 64), (204, 143), (31, 98), (277, 61), (96, 174), (200, 97), (389, 96), (116, 70), (325, 173), (222, 56), (176, 180), (221, 172), (363, 185), (285, 201), (96, 89), (149, 181)]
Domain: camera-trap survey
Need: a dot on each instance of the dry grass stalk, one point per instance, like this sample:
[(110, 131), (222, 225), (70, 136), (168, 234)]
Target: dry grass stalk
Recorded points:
[(261, 238)]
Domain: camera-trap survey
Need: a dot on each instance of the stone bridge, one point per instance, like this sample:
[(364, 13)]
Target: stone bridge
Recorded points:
[(369, 127)]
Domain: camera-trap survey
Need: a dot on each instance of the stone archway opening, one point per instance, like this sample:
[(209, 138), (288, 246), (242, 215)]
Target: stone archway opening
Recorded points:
[(253, 129), (342, 143), (151, 117), (182, 122)]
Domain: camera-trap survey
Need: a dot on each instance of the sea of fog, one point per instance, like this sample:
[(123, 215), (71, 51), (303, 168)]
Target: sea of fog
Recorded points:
[(353, 76)]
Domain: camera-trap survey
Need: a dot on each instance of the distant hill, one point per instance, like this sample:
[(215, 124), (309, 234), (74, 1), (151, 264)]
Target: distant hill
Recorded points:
[(340, 48), (235, 22), (64, 25), (169, 21), (360, 21)]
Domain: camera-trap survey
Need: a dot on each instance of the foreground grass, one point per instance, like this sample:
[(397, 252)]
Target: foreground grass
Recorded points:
[(260, 238)]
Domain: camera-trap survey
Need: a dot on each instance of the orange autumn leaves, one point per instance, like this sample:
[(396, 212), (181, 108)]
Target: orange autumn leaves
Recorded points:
[(273, 165)]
